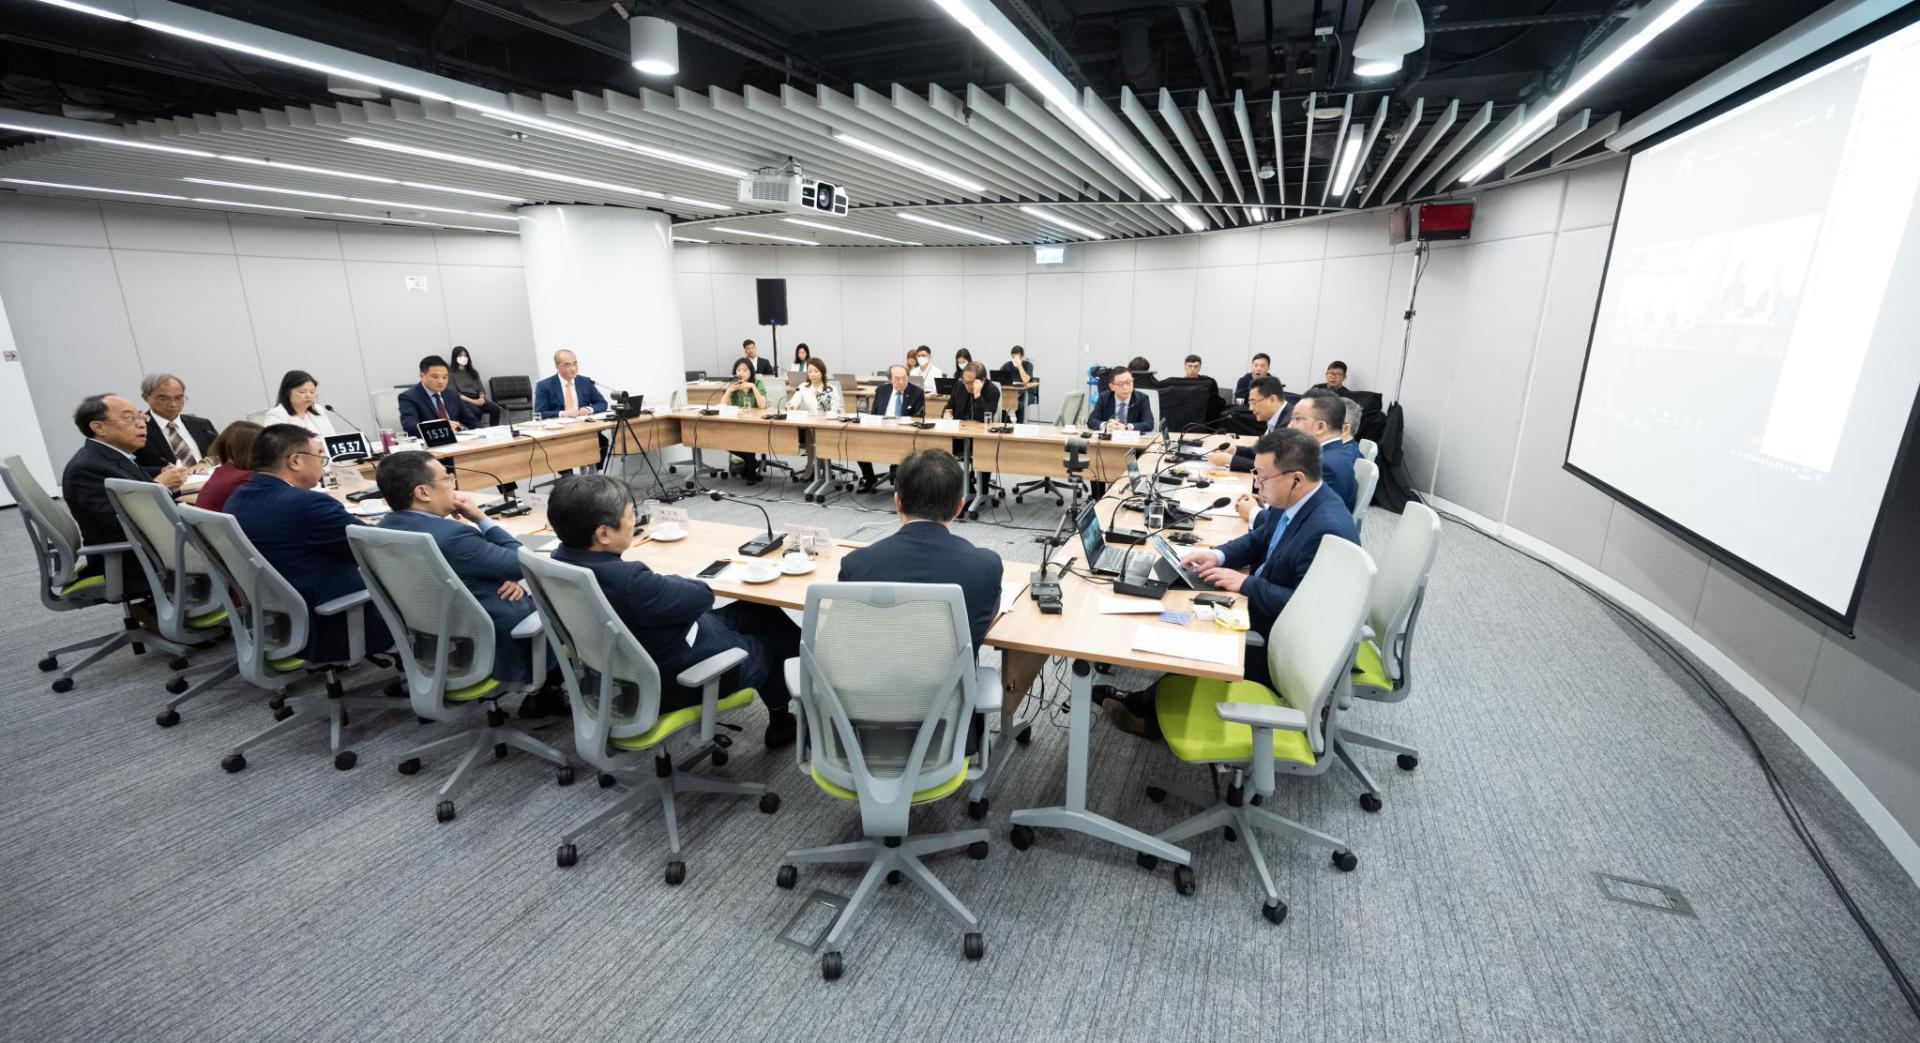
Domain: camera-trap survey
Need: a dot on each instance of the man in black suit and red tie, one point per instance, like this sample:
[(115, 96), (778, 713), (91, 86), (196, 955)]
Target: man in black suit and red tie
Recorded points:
[(173, 435)]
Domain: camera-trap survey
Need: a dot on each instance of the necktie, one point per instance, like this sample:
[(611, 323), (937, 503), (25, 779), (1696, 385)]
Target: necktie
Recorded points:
[(1279, 527), (893, 403), (1120, 410), (178, 443), (573, 401), (439, 408)]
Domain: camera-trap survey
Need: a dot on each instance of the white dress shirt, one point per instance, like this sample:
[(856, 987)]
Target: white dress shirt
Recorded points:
[(315, 420), (195, 451)]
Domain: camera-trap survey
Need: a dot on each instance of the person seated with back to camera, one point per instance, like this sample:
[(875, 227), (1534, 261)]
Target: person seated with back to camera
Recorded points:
[(593, 517)]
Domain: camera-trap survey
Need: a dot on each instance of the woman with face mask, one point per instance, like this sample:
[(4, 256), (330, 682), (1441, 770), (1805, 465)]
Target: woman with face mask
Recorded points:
[(472, 390)]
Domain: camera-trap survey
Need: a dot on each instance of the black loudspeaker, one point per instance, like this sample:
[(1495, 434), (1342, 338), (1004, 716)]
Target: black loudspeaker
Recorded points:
[(773, 301)]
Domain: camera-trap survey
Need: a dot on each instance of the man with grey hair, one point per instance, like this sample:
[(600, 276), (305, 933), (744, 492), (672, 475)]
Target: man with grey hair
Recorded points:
[(1351, 429), (174, 436)]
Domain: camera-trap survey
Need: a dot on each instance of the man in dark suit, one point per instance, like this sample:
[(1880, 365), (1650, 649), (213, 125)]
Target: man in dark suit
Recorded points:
[(480, 552), (1284, 539), (430, 400), (1119, 409), (897, 397), (1336, 381), (593, 516), (1261, 364), (761, 367), (1320, 415), (1270, 408), (173, 436), (927, 495), (567, 393), (303, 534), (115, 432)]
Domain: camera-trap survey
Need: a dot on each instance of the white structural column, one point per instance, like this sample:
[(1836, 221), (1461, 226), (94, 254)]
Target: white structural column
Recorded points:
[(600, 283)]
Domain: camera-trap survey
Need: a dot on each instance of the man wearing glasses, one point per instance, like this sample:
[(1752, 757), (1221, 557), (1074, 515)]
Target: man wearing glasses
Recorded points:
[(173, 435), (1280, 547), (115, 430), (303, 534)]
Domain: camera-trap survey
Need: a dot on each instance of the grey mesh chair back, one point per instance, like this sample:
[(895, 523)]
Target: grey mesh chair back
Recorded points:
[(612, 682), (177, 574), (1310, 648), (1400, 591), (886, 730), (1369, 449), (1072, 408), (442, 635), (267, 616), (51, 529), (1366, 478), (1152, 395)]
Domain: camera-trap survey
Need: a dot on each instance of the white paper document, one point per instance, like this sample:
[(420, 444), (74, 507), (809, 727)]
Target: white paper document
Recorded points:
[(1187, 643), (1009, 592)]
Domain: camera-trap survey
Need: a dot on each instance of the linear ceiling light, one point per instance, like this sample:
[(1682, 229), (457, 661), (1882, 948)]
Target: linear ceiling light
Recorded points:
[(87, 188), (236, 202), (1550, 112), (1189, 218), (285, 59), (938, 173), (577, 133), (690, 239), (547, 175), (105, 140), (1349, 163), (917, 219), (351, 199), (763, 235), (1052, 218), (101, 12), (846, 231)]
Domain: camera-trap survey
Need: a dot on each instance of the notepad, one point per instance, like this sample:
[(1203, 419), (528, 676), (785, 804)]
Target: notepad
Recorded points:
[(1187, 644), (1109, 605), (1009, 593)]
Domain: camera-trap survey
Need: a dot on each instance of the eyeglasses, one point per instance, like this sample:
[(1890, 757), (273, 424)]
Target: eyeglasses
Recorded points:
[(322, 457)]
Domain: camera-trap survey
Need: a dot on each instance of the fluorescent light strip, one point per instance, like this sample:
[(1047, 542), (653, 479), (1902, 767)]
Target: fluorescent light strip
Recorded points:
[(257, 206), (938, 173), (1189, 218), (88, 9), (474, 192), (104, 140), (430, 224), (915, 218), (689, 239), (286, 59), (1049, 216), (1550, 113), (349, 199), (547, 175), (87, 188), (1349, 163), (567, 130), (763, 235), (277, 165), (847, 231)]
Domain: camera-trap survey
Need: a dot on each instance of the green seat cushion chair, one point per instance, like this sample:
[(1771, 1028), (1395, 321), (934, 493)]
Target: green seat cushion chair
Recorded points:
[(674, 720), (83, 583), (1371, 671), (1195, 732), (934, 792)]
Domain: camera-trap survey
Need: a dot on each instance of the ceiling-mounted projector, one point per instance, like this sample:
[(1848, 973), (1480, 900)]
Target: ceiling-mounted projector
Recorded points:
[(789, 189)]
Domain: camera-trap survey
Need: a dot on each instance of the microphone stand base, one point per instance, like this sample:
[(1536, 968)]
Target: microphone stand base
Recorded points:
[(765, 544)]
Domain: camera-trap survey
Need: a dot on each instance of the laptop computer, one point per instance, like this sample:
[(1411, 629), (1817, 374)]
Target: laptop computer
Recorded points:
[(347, 448), (1101, 558), (436, 433), (944, 386)]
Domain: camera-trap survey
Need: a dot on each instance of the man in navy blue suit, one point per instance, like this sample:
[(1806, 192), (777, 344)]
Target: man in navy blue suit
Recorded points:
[(927, 494), (897, 397), (593, 516), (303, 534), (1119, 409), (480, 552), (1320, 415), (1280, 547), (567, 393), (1269, 407), (430, 400)]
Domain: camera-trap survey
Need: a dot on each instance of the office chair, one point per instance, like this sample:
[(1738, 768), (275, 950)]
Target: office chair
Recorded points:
[(1248, 732), (445, 642), (1366, 477), (1072, 408), (386, 408), (887, 740), (270, 621), (513, 394), (56, 554), (1369, 449), (1382, 666), (614, 688), (185, 607)]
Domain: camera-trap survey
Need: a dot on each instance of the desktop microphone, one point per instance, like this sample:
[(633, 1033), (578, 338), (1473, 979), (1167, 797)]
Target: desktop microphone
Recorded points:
[(710, 409), (509, 505), (759, 545)]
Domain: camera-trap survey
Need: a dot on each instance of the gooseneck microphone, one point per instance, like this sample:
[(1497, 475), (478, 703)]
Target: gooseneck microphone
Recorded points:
[(759, 545)]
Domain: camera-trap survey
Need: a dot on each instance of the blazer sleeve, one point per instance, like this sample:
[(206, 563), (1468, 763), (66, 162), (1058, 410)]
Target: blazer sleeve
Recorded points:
[(156, 454), (409, 413), (1248, 548), (589, 396), (1102, 410), (1242, 459), (1142, 419), (916, 404), (546, 396), (672, 601), (1265, 598), (327, 523), (485, 555)]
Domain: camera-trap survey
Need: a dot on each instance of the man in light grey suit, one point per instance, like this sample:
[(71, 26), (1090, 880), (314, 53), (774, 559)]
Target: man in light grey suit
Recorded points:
[(481, 552)]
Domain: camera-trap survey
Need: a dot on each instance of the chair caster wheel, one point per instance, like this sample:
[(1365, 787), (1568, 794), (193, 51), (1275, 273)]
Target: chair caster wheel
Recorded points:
[(176, 685), (832, 966), (1369, 802), (1275, 913), (63, 684), (276, 702), (423, 720), (1021, 836), (167, 718), (139, 649), (977, 809), (607, 781), (567, 857), (565, 775), (1345, 861), (1020, 499), (50, 663), (410, 766), (1254, 800), (977, 850), (1407, 761), (1025, 736), (1146, 861), (1229, 835), (499, 751), (178, 662), (769, 803), (443, 812), (1183, 881), (786, 878), (282, 713), (676, 872), (1156, 794), (345, 760), (233, 762), (719, 758), (894, 876), (974, 945)]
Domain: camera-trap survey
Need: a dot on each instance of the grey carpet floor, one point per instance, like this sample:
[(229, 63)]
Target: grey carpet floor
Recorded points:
[(147, 895)]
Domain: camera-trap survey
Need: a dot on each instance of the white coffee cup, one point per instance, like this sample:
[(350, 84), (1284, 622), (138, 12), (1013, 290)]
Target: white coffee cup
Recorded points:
[(762, 571)]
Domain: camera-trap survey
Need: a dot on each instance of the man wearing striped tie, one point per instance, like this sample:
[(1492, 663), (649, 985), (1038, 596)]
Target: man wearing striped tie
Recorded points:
[(174, 437)]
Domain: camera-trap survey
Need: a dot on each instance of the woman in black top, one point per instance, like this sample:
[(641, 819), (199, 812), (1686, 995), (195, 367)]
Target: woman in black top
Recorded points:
[(471, 389), (800, 356), (975, 398)]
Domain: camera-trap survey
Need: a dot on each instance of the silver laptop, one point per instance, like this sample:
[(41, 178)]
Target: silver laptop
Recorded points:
[(1101, 558)]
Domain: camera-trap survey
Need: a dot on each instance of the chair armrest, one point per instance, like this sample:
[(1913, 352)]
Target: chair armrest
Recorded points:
[(342, 603), (1255, 639), (711, 667), (1366, 632), (529, 627), (106, 548), (791, 669), (987, 680), (1261, 715)]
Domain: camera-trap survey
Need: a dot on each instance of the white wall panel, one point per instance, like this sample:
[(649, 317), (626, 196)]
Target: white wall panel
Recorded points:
[(876, 261), (873, 310), (930, 315), (386, 243), (51, 222), (1358, 234), (815, 313), (1180, 252), (1528, 208), (807, 262), (739, 260), (1162, 315), (279, 237), (935, 261), (487, 311), (1593, 195), (1106, 319), (692, 257), (70, 322), (493, 251), (189, 315), (396, 326), (1223, 306), (1229, 248), (996, 260), (693, 291), (735, 312), (1107, 257), (1286, 317), (1052, 336), (302, 315), (131, 227), (993, 316), (1353, 292), (1307, 242)]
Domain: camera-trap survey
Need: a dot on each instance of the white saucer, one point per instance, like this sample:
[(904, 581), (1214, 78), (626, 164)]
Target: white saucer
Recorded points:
[(809, 567), (747, 577), (669, 536)]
